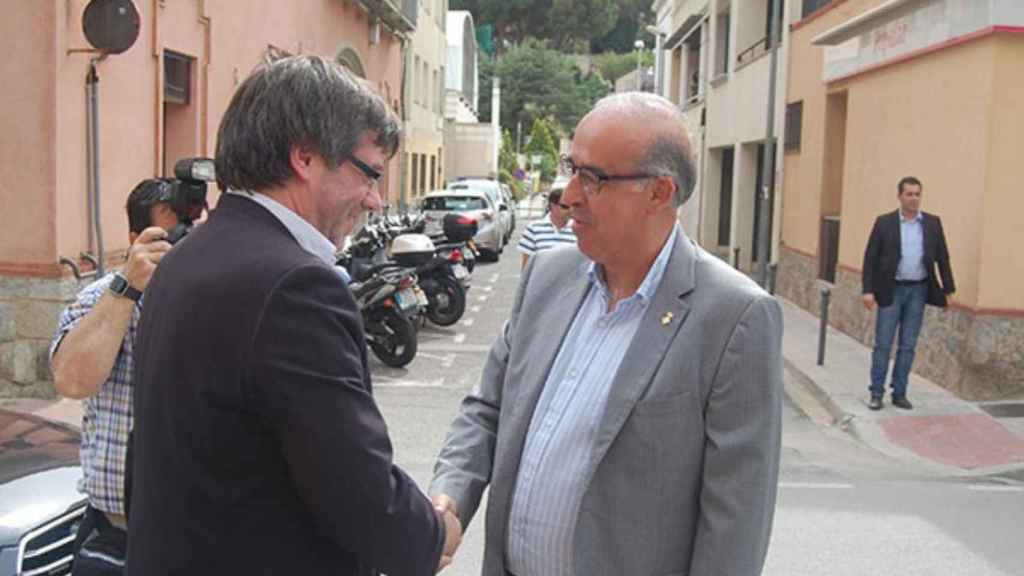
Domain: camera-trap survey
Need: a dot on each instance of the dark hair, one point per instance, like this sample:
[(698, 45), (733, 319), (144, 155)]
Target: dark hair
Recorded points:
[(907, 180), (305, 101), (554, 196), (143, 197)]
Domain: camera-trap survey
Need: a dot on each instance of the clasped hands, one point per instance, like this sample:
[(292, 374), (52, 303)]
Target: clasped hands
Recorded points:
[(452, 528)]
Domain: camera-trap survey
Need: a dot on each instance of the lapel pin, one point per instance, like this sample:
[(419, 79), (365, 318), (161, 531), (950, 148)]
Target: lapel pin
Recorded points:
[(666, 319)]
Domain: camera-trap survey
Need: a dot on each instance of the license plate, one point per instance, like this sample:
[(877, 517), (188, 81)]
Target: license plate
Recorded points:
[(406, 299), (460, 271), (421, 297)]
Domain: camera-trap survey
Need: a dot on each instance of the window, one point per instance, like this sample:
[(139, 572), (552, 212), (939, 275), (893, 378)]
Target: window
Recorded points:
[(812, 6), (423, 173), (414, 81), (722, 23), (177, 78), (433, 172), (413, 180), (794, 125), (454, 203), (434, 95)]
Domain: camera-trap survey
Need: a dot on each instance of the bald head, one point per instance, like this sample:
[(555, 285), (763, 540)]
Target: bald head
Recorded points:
[(656, 126)]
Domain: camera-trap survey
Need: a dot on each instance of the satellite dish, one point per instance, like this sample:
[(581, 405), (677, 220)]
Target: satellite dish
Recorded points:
[(111, 26)]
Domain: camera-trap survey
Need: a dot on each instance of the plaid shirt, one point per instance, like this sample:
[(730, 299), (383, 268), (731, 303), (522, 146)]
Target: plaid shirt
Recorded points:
[(108, 414)]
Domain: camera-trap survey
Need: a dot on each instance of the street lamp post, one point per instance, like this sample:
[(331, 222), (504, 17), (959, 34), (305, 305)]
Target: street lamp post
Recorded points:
[(768, 166), (639, 45)]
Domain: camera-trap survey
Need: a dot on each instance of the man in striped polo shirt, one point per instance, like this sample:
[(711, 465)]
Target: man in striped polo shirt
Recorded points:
[(551, 230)]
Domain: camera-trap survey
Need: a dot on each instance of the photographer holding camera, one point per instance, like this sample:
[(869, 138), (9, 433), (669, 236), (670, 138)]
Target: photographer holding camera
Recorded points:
[(91, 358)]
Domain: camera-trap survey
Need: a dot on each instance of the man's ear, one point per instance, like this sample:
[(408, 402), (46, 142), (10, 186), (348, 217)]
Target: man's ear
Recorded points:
[(662, 191), (302, 161)]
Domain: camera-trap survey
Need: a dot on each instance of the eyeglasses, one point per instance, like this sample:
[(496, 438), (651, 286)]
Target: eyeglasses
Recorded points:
[(372, 174), (591, 179), (560, 205)]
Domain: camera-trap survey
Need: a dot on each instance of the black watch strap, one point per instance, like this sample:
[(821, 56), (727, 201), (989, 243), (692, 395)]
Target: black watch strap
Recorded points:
[(120, 287)]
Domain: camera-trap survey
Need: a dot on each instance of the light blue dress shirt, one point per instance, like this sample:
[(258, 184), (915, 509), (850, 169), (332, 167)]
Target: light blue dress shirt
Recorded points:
[(561, 436), (911, 268)]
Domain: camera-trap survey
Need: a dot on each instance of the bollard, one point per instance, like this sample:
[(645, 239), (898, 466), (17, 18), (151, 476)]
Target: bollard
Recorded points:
[(823, 331), (736, 257)]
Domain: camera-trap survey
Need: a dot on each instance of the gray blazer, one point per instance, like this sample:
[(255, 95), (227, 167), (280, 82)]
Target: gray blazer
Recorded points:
[(685, 467)]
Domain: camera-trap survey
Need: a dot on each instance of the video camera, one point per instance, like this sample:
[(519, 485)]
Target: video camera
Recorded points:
[(186, 193)]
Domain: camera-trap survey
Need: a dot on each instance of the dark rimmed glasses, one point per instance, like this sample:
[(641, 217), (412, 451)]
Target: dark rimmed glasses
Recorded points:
[(592, 179), (372, 174)]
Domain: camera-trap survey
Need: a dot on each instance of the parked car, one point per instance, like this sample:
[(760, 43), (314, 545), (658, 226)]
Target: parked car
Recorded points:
[(40, 505), (492, 189), (490, 236), (510, 200)]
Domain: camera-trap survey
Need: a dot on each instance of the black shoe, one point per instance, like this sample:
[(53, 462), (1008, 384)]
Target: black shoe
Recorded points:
[(902, 402), (875, 403)]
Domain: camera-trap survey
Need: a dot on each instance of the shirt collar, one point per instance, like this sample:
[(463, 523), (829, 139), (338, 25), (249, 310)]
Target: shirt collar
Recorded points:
[(916, 218), (308, 237), (653, 278)]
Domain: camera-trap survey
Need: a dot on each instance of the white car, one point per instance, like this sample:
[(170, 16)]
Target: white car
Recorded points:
[(490, 233), (492, 189)]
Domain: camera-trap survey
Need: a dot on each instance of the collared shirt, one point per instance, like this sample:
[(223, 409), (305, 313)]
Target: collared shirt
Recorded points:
[(543, 234), (564, 426), (108, 414), (308, 237), (911, 266)]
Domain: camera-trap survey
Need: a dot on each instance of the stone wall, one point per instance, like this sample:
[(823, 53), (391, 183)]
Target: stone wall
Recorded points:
[(29, 308), (976, 356)]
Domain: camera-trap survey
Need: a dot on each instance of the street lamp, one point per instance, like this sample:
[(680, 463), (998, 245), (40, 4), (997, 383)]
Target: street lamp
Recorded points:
[(639, 45)]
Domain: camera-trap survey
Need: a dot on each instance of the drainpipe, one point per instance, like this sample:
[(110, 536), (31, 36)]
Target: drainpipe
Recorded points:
[(92, 81), (768, 165), (403, 165)]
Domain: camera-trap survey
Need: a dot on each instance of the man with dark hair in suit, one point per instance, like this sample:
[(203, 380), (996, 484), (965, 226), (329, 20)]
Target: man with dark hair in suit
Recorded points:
[(260, 449), (899, 278)]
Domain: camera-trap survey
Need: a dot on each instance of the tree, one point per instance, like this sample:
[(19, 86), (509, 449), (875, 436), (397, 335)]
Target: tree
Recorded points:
[(542, 143), (538, 82), (631, 25), (569, 24), (614, 66)]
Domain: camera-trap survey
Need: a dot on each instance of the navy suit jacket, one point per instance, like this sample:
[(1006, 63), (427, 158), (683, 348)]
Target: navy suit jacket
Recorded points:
[(882, 259), (258, 446)]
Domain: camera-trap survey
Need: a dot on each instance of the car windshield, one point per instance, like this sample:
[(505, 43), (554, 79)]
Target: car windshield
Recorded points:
[(454, 203), (487, 187)]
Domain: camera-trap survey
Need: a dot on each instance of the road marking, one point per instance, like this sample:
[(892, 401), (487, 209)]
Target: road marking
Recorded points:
[(460, 348), (487, 288), (474, 309), (995, 488), (482, 298), (386, 382), (815, 485), (459, 338), (467, 322), (493, 278)]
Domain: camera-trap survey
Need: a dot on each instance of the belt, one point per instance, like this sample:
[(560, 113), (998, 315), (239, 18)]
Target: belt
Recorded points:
[(116, 520), (911, 282)]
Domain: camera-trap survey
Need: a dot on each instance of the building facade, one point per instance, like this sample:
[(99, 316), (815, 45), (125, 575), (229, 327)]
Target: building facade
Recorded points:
[(471, 145), (714, 63), (159, 101), (881, 89), (423, 156)]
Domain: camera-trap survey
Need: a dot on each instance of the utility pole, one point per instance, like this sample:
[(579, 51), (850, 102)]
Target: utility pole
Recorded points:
[(768, 164), (639, 45)]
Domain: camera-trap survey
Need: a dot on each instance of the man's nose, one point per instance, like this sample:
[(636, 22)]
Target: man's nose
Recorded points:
[(373, 202), (573, 193)]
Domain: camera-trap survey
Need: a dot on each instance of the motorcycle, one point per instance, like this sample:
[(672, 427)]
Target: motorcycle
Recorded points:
[(389, 300)]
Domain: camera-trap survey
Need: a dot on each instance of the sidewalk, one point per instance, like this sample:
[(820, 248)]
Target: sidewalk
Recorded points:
[(943, 433)]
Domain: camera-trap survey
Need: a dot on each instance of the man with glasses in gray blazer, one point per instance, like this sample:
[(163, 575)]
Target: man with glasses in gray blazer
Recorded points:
[(628, 420)]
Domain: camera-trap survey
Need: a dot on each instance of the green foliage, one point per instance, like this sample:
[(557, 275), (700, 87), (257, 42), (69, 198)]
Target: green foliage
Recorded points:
[(539, 82), (507, 154), (509, 178), (570, 25), (614, 66), (634, 16), (542, 142)]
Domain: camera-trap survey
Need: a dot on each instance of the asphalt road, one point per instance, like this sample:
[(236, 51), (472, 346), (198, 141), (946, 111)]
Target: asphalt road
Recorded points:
[(843, 509)]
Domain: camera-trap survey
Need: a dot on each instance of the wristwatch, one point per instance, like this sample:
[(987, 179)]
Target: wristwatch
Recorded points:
[(120, 287)]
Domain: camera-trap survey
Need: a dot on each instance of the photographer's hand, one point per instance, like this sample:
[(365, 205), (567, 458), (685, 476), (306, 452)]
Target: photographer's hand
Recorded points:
[(144, 255)]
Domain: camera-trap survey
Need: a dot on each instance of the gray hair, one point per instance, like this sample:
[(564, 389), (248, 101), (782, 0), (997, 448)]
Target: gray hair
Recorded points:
[(306, 101), (669, 151)]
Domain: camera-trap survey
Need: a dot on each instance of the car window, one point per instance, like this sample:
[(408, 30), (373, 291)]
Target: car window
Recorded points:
[(454, 203)]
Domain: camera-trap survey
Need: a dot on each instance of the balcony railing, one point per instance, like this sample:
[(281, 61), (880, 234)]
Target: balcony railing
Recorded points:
[(400, 15), (759, 48)]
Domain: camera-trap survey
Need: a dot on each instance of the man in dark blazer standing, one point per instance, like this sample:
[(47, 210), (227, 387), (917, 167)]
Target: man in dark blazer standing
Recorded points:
[(899, 278), (258, 446)]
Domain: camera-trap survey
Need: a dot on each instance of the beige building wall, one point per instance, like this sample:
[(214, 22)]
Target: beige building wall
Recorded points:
[(424, 144), (44, 178), (949, 114)]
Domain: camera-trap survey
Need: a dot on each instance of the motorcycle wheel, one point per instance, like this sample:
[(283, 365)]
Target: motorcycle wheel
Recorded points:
[(397, 348), (455, 294)]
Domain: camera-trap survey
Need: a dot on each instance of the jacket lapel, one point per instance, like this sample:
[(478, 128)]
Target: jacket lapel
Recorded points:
[(659, 326)]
